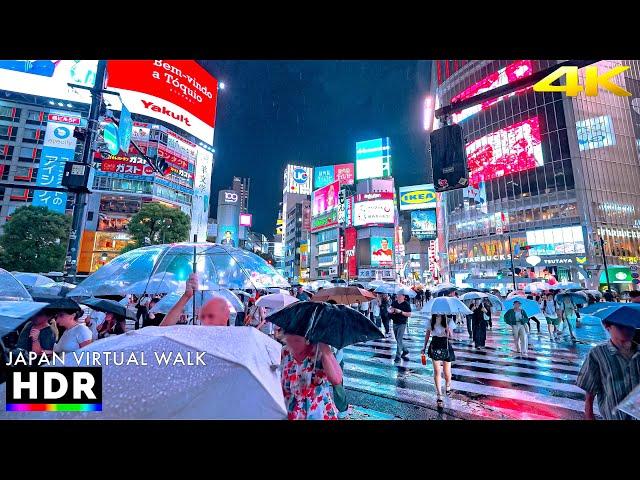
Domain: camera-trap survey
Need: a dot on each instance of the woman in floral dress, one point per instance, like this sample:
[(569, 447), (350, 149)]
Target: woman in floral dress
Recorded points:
[(308, 373)]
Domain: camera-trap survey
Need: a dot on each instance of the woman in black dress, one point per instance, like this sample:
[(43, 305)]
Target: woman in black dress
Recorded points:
[(479, 324), (440, 352)]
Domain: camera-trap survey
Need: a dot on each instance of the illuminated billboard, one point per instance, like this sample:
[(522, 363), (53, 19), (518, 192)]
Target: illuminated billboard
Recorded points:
[(343, 173), (417, 197), (324, 208), (595, 132), (509, 150), (246, 219), (179, 92), (504, 76), (373, 209), (556, 241), (423, 224), (297, 179), (373, 158), (201, 193), (381, 252), (49, 78), (228, 235)]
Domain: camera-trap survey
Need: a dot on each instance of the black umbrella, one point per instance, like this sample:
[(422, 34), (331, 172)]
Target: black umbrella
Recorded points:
[(445, 292), (63, 304), (12, 319), (335, 325), (107, 306)]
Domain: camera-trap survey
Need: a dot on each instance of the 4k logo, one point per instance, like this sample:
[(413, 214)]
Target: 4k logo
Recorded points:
[(592, 81)]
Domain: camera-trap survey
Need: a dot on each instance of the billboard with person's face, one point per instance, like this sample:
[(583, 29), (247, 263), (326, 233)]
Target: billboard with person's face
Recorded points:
[(381, 252), (324, 208), (228, 235)]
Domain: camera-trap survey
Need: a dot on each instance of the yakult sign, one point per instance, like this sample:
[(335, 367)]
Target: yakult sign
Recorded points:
[(179, 92)]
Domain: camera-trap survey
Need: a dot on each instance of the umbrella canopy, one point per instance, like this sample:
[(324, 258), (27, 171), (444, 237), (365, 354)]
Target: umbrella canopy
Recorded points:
[(564, 285), (13, 314), (11, 289), (335, 325), (516, 293), (343, 295), (442, 285), (495, 301), (377, 283), (384, 288), (445, 305), (64, 304), (216, 265), (239, 380), (537, 287), (444, 292), (30, 280), (625, 314), (318, 284), (159, 283), (597, 306), (594, 293), (579, 298), (108, 306), (202, 296), (406, 291), (276, 301), (530, 307), (58, 288)]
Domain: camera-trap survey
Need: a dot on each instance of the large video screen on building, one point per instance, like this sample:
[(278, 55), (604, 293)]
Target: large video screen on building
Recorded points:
[(49, 78), (556, 241), (324, 208), (595, 132), (509, 150), (509, 74), (381, 252), (179, 92), (373, 209), (423, 224), (373, 158), (343, 173)]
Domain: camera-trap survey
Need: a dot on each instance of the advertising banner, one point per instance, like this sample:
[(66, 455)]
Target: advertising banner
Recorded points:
[(179, 92), (323, 176), (477, 195), (350, 242), (324, 209), (306, 215), (381, 252), (129, 166), (172, 159), (59, 147), (423, 224), (595, 132), (201, 194), (49, 78), (228, 235), (345, 173), (417, 197), (633, 86), (298, 179), (556, 241), (373, 209), (373, 158)]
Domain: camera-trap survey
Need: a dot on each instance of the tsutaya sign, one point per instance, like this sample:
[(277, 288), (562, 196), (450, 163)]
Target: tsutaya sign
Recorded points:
[(497, 258)]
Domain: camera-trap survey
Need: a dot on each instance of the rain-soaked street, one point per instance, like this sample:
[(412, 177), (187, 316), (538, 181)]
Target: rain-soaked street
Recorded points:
[(490, 384)]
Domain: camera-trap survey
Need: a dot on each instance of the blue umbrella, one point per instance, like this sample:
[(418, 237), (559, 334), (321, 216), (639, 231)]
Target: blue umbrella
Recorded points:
[(625, 314), (530, 307), (579, 298), (597, 306)]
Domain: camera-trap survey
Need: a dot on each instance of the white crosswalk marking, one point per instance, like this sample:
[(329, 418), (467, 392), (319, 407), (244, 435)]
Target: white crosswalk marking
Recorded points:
[(490, 383)]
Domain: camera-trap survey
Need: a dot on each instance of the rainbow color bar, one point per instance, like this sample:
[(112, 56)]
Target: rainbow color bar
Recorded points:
[(54, 407)]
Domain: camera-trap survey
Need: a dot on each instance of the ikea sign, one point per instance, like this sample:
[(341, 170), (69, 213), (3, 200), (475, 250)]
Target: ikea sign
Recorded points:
[(417, 197)]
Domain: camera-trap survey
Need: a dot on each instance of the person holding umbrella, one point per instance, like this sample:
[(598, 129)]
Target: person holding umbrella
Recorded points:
[(479, 324), (440, 352), (517, 318), (113, 325), (400, 311), (38, 335), (612, 369), (215, 312), (76, 335)]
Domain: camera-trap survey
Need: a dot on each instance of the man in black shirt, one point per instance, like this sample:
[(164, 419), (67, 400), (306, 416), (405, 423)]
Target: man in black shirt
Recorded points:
[(384, 313), (608, 296), (400, 311)]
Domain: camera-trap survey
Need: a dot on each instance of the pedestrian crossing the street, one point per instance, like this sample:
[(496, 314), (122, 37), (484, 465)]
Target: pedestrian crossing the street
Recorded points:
[(493, 383)]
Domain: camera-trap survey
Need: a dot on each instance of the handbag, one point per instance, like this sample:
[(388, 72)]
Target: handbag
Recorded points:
[(439, 353), (486, 317)]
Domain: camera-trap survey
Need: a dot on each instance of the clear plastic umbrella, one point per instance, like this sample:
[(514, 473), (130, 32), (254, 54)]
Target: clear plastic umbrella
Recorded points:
[(216, 265), (11, 289), (202, 296), (32, 279)]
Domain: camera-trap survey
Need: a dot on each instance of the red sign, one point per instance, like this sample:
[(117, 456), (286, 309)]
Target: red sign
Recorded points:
[(172, 158), (120, 166), (56, 117), (180, 82), (365, 197), (344, 173), (350, 242)]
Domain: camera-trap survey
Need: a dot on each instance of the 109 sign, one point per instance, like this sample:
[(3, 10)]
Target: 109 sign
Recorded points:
[(592, 81)]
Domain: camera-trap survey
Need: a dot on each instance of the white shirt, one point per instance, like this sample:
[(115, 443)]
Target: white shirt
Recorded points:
[(364, 306), (72, 338), (518, 314), (375, 305), (439, 330)]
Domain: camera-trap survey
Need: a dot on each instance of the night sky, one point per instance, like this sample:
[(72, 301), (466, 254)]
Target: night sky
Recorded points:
[(311, 113)]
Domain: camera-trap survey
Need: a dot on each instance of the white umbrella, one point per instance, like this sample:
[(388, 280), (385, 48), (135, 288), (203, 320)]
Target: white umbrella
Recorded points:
[(402, 290), (442, 286), (239, 380), (276, 301), (32, 279), (516, 293), (495, 301), (445, 305), (385, 288), (537, 287), (566, 285), (377, 283)]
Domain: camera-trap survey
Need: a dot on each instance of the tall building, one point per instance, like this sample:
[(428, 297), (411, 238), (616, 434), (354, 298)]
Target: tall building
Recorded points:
[(241, 186), (550, 175), (38, 114), (296, 190)]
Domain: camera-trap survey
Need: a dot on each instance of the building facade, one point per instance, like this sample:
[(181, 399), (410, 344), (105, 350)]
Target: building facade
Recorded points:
[(550, 174), (242, 186)]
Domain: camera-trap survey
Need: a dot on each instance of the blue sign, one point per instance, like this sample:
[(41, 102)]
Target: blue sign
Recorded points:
[(300, 175), (124, 129), (323, 176), (110, 135), (59, 146)]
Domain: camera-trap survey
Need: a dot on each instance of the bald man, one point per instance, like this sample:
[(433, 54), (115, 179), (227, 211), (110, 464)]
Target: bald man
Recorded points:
[(214, 313)]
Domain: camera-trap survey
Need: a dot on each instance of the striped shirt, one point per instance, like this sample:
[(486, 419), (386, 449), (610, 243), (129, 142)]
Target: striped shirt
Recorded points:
[(608, 375)]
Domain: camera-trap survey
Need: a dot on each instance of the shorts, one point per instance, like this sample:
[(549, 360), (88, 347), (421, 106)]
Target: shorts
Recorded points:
[(440, 349), (553, 321)]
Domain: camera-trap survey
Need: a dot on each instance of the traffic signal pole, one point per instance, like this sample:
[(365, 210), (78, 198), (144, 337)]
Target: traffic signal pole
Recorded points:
[(77, 223), (604, 260), (513, 270)]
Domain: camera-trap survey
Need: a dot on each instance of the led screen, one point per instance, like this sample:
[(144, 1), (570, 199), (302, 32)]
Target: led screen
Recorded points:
[(556, 241), (504, 76), (373, 158), (417, 197), (423, 224), (509, 150), (595, 132), (381, 252), (374, 209)]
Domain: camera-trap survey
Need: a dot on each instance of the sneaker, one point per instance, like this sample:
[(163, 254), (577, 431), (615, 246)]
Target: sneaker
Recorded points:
[(397, 359), (405, 355)]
